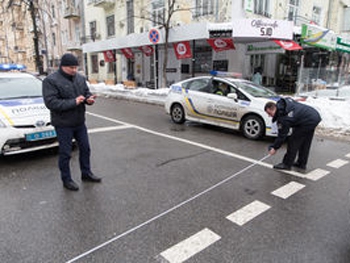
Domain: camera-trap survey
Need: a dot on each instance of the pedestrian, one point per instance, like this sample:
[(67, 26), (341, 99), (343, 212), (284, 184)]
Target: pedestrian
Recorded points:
[(65, 94), (303, 120), (257, 77)]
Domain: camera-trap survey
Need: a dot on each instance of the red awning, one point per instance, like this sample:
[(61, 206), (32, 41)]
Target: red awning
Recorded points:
[(109, 56), (182, 49), (221, 44), (288, 44), (128, 52), (147, 50)]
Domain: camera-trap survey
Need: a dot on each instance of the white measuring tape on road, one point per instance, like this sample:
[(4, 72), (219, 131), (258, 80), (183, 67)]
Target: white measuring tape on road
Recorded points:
[(167, 211)]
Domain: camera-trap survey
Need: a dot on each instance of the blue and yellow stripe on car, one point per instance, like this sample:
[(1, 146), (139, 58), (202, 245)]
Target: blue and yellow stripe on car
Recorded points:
[(3, 113), (190, 106)]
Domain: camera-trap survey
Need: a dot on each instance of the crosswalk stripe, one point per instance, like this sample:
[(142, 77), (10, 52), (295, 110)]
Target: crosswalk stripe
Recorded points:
[(348, 155), (190, 246), (316, 174), (337, 163), (248, 212), (288, 190)]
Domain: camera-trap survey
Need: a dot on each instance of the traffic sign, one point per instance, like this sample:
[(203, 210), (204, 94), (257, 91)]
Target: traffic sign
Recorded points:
[(154, 36)]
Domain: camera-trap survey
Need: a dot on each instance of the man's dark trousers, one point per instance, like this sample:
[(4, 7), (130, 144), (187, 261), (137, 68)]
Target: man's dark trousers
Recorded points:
[(299, 143), (65, 136)]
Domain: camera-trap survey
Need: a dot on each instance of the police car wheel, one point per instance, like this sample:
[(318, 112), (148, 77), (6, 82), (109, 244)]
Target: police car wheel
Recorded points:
[(177, 114), (253, 127)]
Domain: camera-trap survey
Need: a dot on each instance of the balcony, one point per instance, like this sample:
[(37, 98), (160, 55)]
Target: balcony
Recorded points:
[(106, 4), (71, 13)]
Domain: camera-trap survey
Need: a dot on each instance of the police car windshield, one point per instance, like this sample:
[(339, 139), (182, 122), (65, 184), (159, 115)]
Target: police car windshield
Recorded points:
[(11, 88), (255, 90)]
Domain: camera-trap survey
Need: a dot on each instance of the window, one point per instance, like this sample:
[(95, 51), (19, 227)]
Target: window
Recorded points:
[(94, 64), (130, 16), (316, 14), (53, 11), (204, 7), (262, 7), (54, 39), (198, 85), (158, 12), (293, 10), (110, 67), (110, 26), (93, 30)]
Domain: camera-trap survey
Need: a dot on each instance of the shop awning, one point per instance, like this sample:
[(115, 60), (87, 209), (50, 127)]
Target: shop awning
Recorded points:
[(288, 44)]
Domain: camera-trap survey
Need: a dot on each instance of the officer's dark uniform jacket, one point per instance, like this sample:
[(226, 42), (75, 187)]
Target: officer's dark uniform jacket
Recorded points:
[(292, 114), (60, 91)]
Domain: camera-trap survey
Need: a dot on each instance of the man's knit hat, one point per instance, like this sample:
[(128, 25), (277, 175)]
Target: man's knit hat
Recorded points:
[(69, 60)]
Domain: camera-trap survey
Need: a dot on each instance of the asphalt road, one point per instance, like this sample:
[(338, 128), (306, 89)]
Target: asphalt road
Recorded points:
[(175, 193)]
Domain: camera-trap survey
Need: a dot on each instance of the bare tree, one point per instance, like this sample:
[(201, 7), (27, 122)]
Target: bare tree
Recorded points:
[(33, 10), (163, 20)]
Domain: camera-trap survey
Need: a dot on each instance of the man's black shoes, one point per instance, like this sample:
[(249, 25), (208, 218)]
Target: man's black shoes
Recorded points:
[(70, 185), (299, 166), (90, 177), (282, 166)]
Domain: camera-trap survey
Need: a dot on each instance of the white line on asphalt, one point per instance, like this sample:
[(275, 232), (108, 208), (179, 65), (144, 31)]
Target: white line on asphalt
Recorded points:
[(247, 213), (316, 174), (288, 190), (348, 155), (113, 128), (337, 163), (190, 246), (166, 212)]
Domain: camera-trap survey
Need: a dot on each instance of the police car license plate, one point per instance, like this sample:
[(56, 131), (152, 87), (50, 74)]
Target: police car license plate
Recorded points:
[(36, 136)]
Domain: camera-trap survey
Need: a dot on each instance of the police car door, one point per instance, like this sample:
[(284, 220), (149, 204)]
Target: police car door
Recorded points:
[(199, 96), (223, 107)]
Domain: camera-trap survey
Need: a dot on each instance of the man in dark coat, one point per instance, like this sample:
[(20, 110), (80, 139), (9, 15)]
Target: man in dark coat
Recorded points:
[(303, 120), (65, 94)]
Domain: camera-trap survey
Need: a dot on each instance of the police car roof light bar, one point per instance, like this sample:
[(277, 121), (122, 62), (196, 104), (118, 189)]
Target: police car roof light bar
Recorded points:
[(225, 74)]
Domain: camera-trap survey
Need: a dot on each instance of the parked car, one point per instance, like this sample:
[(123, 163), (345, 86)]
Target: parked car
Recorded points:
[(239, 108), (24, 119)]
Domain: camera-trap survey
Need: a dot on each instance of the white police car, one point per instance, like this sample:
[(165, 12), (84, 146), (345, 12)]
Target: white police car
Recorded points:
[(24, 119), (240, 108)]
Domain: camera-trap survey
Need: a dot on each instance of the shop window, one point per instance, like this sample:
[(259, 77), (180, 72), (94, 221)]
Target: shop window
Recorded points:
[(110, 67), (94, 64)]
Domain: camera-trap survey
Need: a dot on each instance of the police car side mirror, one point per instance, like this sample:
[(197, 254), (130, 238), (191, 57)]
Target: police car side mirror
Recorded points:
[(232, 96)]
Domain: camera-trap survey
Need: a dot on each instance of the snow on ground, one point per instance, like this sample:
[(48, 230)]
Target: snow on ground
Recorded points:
[(332, 104)]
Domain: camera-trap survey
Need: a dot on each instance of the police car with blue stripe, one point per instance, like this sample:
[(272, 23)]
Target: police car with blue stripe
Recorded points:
[(222, 99), (24, 119)]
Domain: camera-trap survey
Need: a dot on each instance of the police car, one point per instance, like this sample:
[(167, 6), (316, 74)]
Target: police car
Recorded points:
[(24, 119), (240, 107)]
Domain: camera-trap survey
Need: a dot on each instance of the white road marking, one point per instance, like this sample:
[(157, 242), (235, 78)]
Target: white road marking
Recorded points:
[(164, 213), (247, 213), (316, 174), (337, 163), (288, 190), (105, 129), (348, 155), (190, 246)]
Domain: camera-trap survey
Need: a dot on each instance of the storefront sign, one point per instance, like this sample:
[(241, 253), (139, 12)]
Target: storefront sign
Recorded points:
[(268, 47), (262, 28), (343, 45), (221, 44), (182, 49), (317, 36)]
